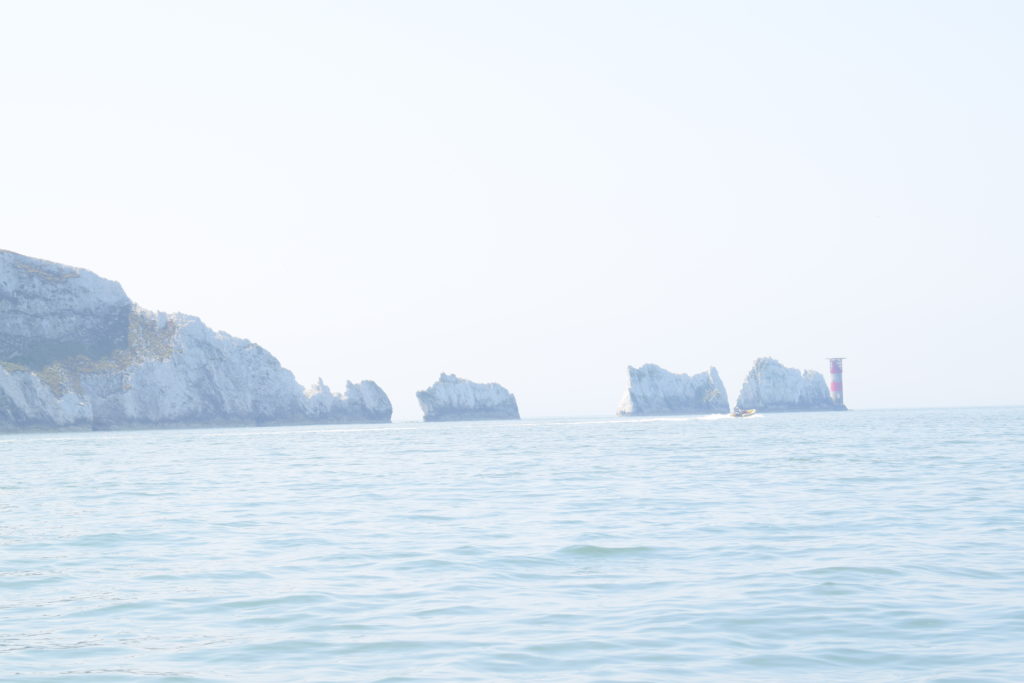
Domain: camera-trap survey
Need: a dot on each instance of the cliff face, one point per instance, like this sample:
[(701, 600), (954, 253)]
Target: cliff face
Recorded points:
[(49, 312), (451, 398), (653, 390), (26, 402), (772, 387), (102, 363)]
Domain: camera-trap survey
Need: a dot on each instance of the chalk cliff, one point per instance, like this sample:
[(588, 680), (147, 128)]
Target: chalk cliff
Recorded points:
[(76, 353), (362, 402), (653, 390), (772, 387), (49, 312), (452, 398)]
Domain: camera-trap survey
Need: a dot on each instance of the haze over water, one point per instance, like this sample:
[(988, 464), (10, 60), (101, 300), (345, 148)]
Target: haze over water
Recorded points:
[(869, 545)]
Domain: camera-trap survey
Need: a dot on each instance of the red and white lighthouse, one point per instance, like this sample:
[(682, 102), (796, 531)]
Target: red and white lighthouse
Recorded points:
[(835, 367)]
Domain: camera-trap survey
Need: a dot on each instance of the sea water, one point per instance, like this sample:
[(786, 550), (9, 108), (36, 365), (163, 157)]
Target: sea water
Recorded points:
[(867, 545)]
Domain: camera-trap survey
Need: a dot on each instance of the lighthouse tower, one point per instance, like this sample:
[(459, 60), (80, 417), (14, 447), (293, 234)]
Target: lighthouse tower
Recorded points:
[(835, 367)]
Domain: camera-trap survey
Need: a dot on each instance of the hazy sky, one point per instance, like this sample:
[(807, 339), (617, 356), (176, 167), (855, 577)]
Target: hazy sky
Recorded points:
[(540, 193)]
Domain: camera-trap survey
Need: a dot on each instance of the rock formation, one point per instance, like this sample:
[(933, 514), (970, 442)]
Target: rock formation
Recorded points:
[(772, 387), (363, 402), (51, 312), (76, 353), (653, 390), (451, 398)]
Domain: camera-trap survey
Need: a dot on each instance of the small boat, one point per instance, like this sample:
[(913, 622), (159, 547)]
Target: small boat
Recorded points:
[(743, 413)]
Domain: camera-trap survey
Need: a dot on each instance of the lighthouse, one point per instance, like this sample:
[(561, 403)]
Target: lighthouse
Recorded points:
[(835, 367)]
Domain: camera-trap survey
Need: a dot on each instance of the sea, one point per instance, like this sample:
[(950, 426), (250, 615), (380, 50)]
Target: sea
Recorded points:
[(869, 545)]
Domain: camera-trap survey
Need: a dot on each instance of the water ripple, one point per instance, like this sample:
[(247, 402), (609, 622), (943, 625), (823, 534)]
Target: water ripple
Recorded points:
[(874, 545)]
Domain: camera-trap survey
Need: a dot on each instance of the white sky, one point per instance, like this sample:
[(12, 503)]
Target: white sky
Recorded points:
[(540, 193)]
